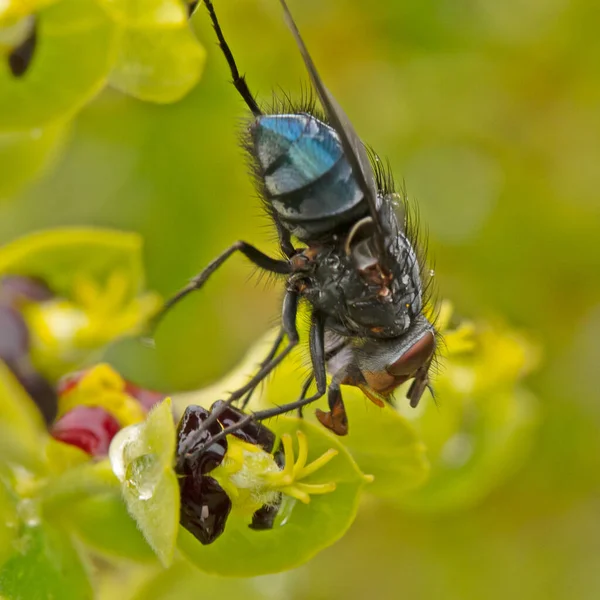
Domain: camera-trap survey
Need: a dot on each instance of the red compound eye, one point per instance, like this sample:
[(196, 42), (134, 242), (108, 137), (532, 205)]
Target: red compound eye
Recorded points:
[(414, 358)]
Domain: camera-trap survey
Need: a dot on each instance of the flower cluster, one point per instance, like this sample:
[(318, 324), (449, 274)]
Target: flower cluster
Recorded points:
[(246, 469), (145, 48), (95, 404), (219, 483)]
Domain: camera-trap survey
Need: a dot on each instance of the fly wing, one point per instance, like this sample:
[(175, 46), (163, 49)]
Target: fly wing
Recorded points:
[(354, 150)]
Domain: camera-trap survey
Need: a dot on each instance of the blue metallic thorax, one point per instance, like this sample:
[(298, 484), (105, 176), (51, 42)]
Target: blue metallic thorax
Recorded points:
[(307, 179)]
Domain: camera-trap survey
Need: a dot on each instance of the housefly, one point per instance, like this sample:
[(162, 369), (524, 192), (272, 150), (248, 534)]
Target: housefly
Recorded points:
[(349, 251)]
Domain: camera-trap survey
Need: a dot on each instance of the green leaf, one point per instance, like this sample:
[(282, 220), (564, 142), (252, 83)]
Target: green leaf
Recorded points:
[(57, 255), (158, 65), (24, 155), (74, 54), (244, 552), (385, 445), (9, 520), (492, 435), (142, 457), (45, 565), (103, 523), (485, 422), (182, 581), (159, 57), (23, 433), (146, 14), (76, 484)]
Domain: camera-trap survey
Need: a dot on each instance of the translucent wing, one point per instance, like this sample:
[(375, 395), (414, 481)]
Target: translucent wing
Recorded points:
[(354, 150)]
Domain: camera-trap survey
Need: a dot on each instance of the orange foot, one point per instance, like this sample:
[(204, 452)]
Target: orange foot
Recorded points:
[(335, 420)]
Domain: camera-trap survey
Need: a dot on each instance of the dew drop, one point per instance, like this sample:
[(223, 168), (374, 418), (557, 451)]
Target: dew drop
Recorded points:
[(143, 475), (122, 447)]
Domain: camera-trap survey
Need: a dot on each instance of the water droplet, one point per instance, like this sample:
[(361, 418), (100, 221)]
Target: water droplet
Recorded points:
[(122, 447), (143, 475), (431, 273)]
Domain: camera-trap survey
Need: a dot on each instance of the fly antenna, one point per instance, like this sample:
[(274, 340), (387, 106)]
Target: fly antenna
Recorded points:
[(238, 81)]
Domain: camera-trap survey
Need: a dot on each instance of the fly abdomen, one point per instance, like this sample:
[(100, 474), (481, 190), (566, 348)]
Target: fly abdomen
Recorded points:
[(307, 180)]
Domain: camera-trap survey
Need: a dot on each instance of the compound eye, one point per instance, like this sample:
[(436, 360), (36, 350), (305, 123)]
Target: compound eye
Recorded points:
[(414, 358)]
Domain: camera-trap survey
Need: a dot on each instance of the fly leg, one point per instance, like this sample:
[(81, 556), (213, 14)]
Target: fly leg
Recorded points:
[(288, 325), (290, 310), (336, 419), (260, 259), (272, 352), (304, 392)]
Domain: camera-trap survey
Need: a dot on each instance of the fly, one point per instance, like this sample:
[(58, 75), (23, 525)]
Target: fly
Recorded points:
[(348, 249)]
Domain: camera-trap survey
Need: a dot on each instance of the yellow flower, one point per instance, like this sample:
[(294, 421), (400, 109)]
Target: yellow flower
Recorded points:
[(252, 478), (103, 386), (66, 333)]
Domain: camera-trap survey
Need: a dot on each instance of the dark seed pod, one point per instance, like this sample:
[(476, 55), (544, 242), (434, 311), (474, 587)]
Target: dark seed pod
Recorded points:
[(264, 517), (252, 432), (39, 389), (14, 340), (195, 452), (205, 506), (21, 56), (14, 351), (15, 289)]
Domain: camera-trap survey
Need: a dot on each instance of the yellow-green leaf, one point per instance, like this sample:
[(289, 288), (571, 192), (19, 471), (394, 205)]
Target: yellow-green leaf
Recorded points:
[(309, 528), (73, 56), (26, 154), (58, 255), (142, 457), (23, 433), (158, 65)]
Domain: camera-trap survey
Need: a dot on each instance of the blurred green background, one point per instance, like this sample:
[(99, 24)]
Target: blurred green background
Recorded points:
[(490, 113)]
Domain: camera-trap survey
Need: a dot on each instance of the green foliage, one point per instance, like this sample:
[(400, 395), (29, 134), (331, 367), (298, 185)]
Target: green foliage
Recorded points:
[(243, 552), (104, 525), (489, 417), (490, 117), (143, 48), (21, 425), (142, 456), (24, 155), (159, 59), (97, 276), (45, 565), (76, 50), (61, 257)]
